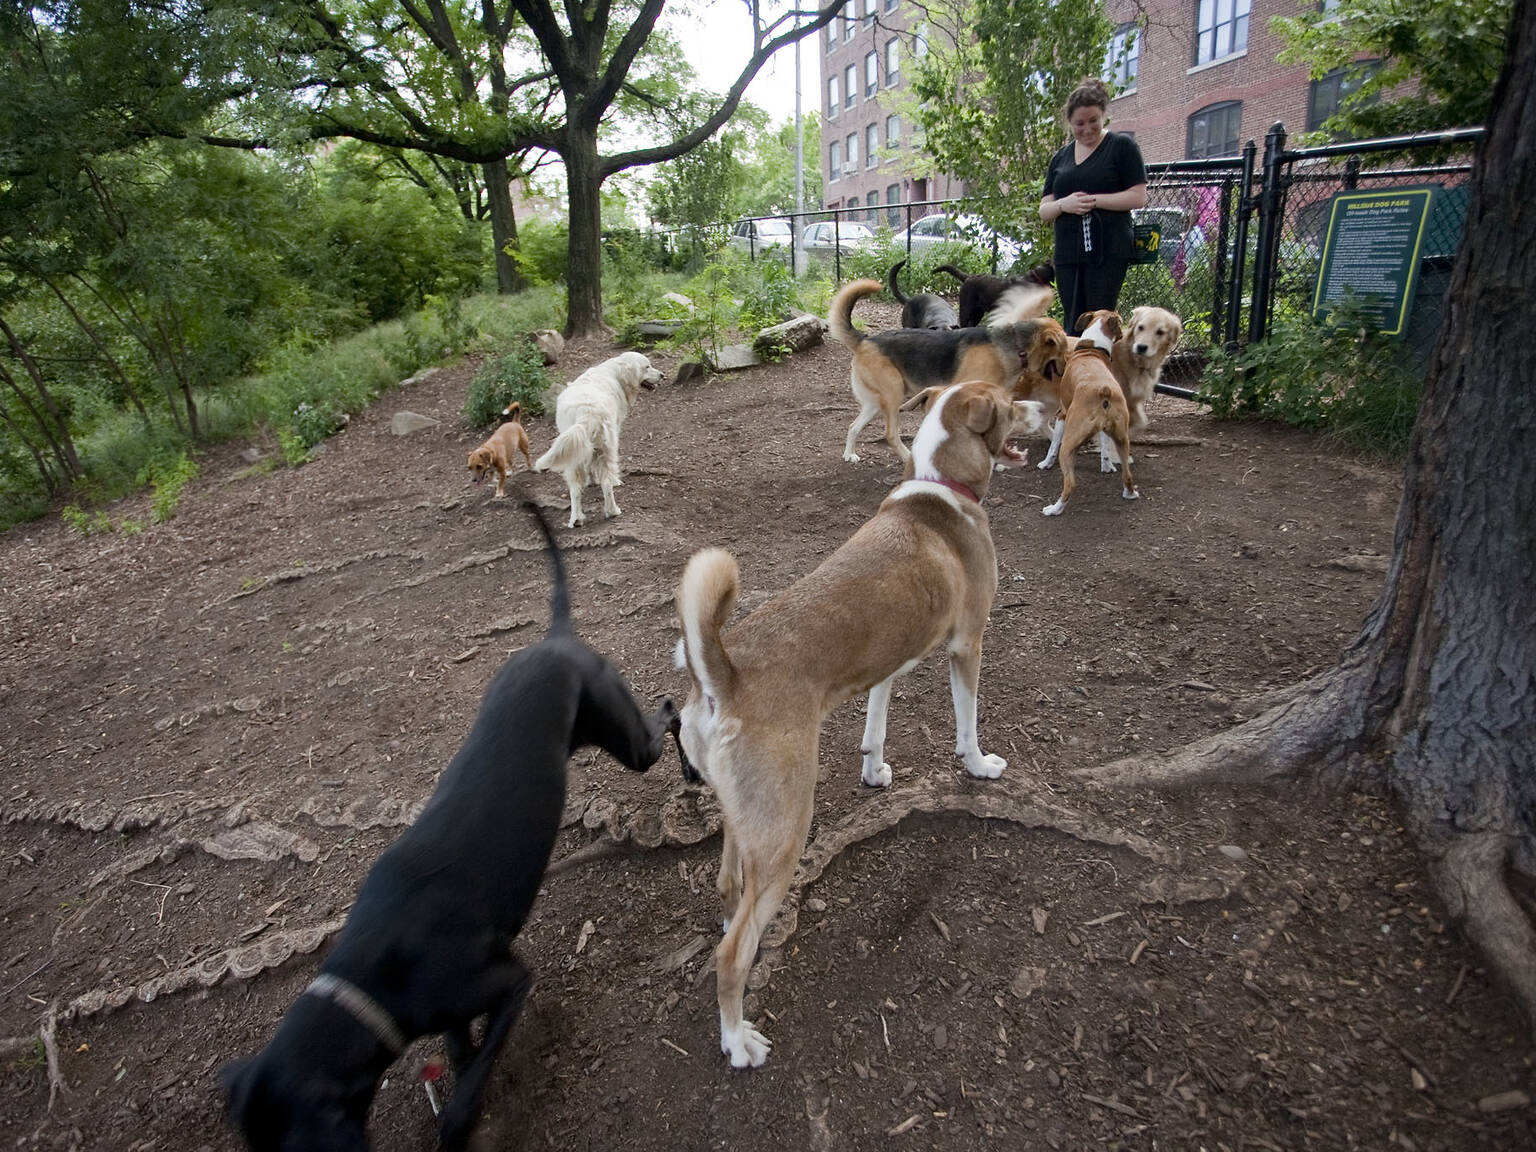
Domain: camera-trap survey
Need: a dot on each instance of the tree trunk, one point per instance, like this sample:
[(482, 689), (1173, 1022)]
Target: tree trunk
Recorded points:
[(498, 185), (1435, 701), (584, 275)]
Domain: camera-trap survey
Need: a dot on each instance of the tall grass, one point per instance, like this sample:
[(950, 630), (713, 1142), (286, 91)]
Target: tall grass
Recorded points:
[(304, 392)]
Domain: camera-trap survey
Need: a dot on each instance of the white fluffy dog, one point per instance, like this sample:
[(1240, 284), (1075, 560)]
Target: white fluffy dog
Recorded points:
[(588, 416)]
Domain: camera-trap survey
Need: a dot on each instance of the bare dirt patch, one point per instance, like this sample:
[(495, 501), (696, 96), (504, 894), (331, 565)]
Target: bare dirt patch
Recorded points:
[(212, 729)]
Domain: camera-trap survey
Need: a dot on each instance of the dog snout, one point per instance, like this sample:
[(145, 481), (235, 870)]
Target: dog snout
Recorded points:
[(1141, 349)]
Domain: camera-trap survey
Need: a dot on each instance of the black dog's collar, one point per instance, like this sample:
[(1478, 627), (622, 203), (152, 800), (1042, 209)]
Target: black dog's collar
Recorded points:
[(363, 1008)]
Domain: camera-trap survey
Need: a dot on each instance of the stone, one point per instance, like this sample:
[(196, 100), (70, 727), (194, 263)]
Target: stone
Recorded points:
[(733, 356), (797, 334), (404, 423)]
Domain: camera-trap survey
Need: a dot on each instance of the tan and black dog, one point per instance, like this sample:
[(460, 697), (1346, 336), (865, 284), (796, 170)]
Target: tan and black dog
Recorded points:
[(499, 451), (890, 367), (918, 576), (1091, 401)]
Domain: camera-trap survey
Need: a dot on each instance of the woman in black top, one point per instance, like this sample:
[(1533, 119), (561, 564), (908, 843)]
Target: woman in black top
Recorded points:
[(1090, 189)]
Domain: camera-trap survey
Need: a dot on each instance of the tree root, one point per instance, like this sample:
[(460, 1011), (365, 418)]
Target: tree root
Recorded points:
[(1308, 724), (289, 575), (48, 1034), (1469, 878)]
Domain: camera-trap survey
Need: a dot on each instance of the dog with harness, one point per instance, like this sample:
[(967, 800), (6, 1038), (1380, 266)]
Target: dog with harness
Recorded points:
[(427, 946)]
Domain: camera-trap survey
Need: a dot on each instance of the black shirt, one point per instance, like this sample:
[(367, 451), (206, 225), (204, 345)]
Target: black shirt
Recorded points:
[(1113, 166)]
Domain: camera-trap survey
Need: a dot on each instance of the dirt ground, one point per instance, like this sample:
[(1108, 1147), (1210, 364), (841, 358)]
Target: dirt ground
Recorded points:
[(211, 730)]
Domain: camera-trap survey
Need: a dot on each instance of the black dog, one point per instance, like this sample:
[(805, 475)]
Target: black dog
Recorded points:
[(925, 310), (427, 946), (978, 294)]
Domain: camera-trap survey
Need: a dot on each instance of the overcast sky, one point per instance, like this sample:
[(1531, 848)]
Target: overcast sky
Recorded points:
[(717, 45)]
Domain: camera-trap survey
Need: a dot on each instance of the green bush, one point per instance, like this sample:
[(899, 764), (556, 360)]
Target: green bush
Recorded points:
[(542, 252), (768, 293), (517, 374), (167, 475), (1343, 376)]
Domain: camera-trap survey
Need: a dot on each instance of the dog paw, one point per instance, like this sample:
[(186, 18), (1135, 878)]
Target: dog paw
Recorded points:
[(1129, 494), (1055, 509), (851, 457), (576, 521), (876, 774), (1108, 465), (1046, 463), (748, 1048), (985, 766)]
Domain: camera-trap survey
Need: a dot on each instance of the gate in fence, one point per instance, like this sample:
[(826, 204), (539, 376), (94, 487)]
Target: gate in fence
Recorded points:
[(1243, 239)]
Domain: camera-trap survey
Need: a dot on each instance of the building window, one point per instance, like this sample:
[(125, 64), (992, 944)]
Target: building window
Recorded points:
[(890, 5), (1327, 95), (851, 149), (1222, 29), (920, 39), (871, 7), (892, 62), (853, 202), (871, 145), (831, 33), (893, 131), (1213, 131), (871, 75), (892, 199), (833, 98), (849, 25), (1122, 57), (873, 200), (850, 85), (835, 161)]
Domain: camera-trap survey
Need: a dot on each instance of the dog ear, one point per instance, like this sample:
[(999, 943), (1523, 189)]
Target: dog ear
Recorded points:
[(983, 410), (1084, 321), (1112, 326), (1176, 332)]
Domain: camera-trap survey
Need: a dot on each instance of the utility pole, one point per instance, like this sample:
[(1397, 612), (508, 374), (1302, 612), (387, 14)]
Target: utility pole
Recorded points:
[(797, 257)]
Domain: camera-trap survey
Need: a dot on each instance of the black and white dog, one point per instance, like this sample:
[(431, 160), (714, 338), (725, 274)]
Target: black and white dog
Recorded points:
[(427, 947), (979, 294), (925, 310)]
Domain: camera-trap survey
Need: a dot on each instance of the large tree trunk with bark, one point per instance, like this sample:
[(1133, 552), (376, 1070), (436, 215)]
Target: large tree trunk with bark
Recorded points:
[(1435, 701), (584, 276), (498, 191)]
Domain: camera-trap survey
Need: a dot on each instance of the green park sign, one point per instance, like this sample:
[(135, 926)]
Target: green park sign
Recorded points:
[(1372, 251)]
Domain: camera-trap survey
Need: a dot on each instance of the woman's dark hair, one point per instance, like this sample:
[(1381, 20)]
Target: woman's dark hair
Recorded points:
[(1091, 93)]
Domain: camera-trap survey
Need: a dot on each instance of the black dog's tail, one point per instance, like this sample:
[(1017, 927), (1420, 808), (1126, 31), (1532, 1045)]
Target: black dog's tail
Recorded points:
[(890, 280), (560, 598), (953, 271)]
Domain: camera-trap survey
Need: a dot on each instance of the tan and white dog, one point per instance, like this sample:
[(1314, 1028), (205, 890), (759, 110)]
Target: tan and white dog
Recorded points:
[(921, 574), (1091, 401), (498, 453), (589, 415), (1148, 338)]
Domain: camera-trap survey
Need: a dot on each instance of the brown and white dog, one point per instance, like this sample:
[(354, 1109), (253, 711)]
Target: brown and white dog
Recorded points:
[(1091, 401), (1137, 360), (890, 367), (589, 416), (921, 574), (549, 343), (500, 448)]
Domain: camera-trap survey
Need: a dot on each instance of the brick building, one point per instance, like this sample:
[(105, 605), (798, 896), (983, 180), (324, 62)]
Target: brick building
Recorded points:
[(865, 141), (1195, 78), (1199, 77)]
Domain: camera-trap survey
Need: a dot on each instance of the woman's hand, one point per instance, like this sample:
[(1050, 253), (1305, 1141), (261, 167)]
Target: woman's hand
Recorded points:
[(1078, 203)]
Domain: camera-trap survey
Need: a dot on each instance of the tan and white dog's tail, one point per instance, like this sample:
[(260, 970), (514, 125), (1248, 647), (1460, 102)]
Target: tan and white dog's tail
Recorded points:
[(706, 596), (1019, 303), (573, 448), (840, 315)]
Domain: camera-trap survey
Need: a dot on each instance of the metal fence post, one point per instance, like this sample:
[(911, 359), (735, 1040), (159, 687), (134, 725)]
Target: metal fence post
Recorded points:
[(1219, 267), (1240, 245), (1269, 235)]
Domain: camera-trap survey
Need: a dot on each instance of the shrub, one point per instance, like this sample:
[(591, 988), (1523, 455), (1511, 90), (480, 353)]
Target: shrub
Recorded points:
[(542, 252), (516, 374), (1344, 376), (168, 475)]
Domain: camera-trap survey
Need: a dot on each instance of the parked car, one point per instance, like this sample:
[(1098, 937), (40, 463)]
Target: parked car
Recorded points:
[(757, 235), (848, 236), (959, 228)]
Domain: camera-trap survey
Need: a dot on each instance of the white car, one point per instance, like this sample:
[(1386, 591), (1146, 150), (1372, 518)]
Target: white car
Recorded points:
[(846, 236), (950, 228), (757, 235)]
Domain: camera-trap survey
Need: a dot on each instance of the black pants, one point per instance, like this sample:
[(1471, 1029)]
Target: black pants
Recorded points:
[(1088, 288)]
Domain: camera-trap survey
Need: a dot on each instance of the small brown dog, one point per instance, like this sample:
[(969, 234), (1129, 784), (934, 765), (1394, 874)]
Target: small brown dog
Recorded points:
[(1091, 401), (499, 450)]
